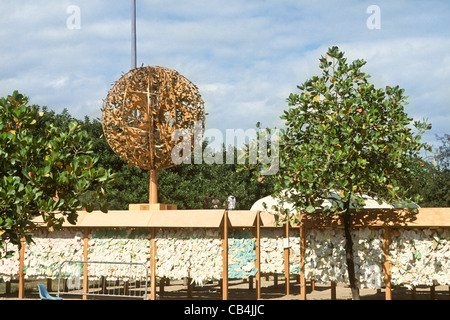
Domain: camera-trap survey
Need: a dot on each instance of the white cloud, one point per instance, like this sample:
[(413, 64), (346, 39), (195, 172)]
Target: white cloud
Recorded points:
[(245, 56)]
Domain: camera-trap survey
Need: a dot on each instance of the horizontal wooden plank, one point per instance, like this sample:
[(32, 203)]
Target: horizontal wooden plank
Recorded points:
[(186, 218), (426, 217)]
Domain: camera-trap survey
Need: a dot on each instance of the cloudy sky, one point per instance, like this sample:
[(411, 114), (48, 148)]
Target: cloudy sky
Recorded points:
[(245, 56)]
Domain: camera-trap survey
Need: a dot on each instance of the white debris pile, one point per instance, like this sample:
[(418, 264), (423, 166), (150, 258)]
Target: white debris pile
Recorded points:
[(325, 256), (191, 252), (420, 257), (9, 266), (121, 245), (272, 250), (49, 250), (241, 254)]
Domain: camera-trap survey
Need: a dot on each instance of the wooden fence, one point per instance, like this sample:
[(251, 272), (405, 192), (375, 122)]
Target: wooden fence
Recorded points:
[(388, 220)]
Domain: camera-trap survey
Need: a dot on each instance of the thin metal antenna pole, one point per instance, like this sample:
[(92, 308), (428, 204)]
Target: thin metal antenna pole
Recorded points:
[(133, 35)]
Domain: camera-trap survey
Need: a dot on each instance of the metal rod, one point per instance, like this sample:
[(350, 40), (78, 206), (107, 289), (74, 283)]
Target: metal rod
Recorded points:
[(143, 265), (133, 35)]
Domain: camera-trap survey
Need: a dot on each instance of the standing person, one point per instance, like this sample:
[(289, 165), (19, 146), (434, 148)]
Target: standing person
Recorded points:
[(215, 202), (206, 202), (231, 202)]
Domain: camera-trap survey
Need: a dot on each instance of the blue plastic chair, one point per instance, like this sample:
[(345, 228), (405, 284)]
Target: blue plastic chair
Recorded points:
[(43, 293)]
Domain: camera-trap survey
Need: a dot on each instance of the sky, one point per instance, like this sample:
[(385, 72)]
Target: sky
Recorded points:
[(245, 56)]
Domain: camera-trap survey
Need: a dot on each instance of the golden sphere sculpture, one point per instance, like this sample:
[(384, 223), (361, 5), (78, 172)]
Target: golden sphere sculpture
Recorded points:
[(142, 110)]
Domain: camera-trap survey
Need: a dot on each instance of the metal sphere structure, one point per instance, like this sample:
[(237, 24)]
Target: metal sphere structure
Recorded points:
[(143, 109)]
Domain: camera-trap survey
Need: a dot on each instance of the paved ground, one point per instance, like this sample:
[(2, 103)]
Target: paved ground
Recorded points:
[(270, 290)]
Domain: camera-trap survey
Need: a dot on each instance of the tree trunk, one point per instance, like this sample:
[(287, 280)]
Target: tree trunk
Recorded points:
[(349, 252)]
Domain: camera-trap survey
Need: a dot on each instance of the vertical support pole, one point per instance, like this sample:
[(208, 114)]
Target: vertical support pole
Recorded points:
[(413, 293), (333, 290), (8, 287), (161, 285), (433, 292), (133, 35), (21, 265), (286, 260), (258, 256), (153, 265), (225, 256), (302, 262), (386, 263), (49, 284), (85, 265), (190, 287), (153, 193)]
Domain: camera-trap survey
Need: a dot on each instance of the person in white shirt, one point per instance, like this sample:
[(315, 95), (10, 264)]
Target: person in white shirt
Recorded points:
[(231, 202)]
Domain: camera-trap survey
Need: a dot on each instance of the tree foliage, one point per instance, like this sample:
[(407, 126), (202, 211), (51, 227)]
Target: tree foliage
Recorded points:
[(345, 135), (434, 177), (45, 170)]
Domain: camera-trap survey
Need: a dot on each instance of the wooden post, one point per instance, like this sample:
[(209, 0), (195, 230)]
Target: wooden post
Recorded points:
[(85, 265), (386, 263), (153, 190), (190, 287), (333, 290), (161, 285), (153, 265), (103, 281), (286, 260), (49, 285), (433, 292), (413, 293), (302, 262), (21, 272), (258, 256), (225, 256), (8, 287)]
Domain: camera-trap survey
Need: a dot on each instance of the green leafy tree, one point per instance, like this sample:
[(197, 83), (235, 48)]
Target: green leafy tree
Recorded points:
[(434, 177), (44, 170), (346, 139)]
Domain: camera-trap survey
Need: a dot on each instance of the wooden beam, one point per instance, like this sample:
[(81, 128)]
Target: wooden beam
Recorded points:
[(433, 292), (225, 256), (190, 287), (153, 189), (258, 256), (286, 259), (153, 264), (333, 290), (21, 265), (8, 287)]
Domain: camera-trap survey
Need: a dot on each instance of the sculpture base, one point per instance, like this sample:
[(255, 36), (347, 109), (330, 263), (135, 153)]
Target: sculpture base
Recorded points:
[(151, 206)]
